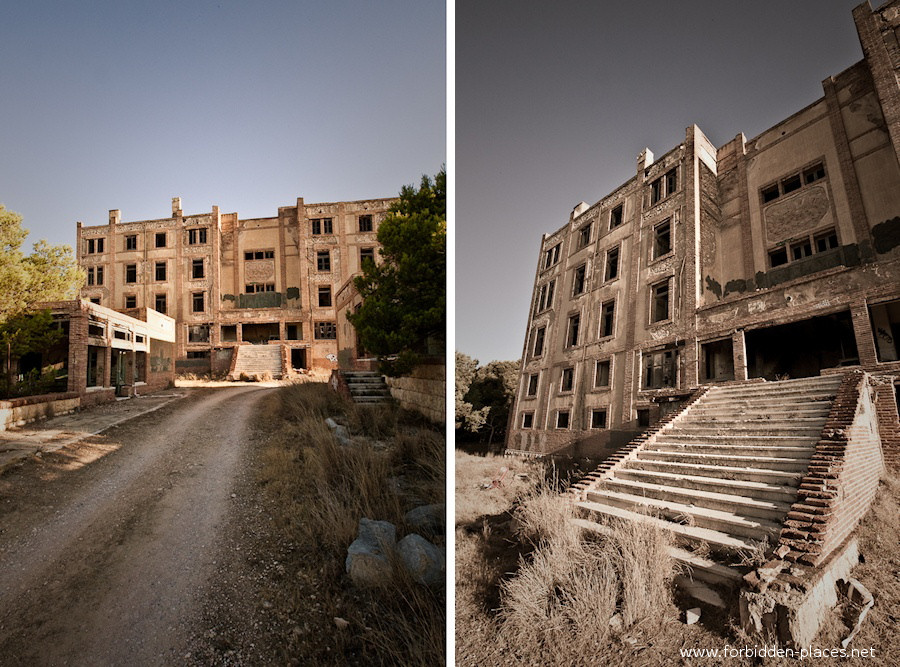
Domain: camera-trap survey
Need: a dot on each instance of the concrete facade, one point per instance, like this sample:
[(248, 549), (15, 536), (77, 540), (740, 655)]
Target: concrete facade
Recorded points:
[(775, 257), (229, 281)]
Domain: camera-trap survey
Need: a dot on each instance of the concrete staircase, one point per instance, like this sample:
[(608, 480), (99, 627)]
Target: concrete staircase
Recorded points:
[(724, 473), (367, 387), (258, 360)]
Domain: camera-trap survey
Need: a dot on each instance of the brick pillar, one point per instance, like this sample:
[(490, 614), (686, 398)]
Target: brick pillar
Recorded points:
[(739, 352), (862, 330), (78, 353), (107, 366)]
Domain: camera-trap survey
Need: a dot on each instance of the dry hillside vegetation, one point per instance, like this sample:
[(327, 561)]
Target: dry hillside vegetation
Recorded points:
[(320, 490), (531, 590)]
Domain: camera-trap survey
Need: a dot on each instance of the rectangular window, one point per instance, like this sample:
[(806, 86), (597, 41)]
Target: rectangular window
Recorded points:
[(90, 277), (612, 264), (365, 223), (662, 239), (160, 271), (598, 418), (198, 304), (826, 241), (160, 239), (366, 255), (131, 242), (584, 235), (616, 216), (770, 193), (130, 301), (539, 341), (325, 297), (95, 275), (551, 256), (527, 420), (94, 246), (801, 249), (198, 333), (601, 373), (131, 273), (778, 257), (608, 319), (253, 288), (567, 381), (532, 385), (196, 236), (572, 337), (814, 173), (546, 298), (323, 260), (160, 304), (325, 331), (321, 226), (791, 183), (197, 270), (562, 419), (578, 280), (659, 369), (259, 254), (656, 190), (659, 307), (671, 181)]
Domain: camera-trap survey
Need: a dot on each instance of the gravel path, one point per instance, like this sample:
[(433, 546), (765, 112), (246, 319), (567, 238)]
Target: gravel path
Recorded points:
[(110, 549)]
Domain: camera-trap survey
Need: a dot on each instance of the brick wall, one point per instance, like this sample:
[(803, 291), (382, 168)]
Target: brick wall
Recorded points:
[(842, 478), (888, 422)]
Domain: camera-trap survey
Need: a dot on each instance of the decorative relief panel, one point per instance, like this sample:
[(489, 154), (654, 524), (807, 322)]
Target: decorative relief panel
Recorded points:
[(799, 213), (664, 266), (661, 332), (259, 270)]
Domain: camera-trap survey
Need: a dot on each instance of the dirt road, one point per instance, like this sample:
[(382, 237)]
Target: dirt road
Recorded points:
[(109, 550)]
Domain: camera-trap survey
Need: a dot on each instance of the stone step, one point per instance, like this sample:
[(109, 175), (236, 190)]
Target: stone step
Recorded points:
[(792, 399), (817, 410), (743, 429), (698, 567), (730, 523), (371, 399), (758, 490), (787, 451), (822, 381), (799, 465), (756, 421), (754, 474), (716, 539), (675, 437), (762, 509)]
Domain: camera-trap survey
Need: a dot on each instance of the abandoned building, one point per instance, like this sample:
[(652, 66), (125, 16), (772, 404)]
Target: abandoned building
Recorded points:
[(722, 331), (246, 294), (102, 354), (775, 257)]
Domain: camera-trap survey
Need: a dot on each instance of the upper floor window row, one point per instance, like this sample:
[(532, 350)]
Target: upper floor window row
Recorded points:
[(93, 246), (551, 256), (321, 226), (793, 182), (259, 254), (664, 186)]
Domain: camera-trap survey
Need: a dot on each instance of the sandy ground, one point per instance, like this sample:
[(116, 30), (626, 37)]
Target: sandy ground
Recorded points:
[(133, 547)]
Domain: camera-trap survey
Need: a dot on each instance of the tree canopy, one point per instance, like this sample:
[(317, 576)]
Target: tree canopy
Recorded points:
[(404, 296), (49, 273), (484, 396)]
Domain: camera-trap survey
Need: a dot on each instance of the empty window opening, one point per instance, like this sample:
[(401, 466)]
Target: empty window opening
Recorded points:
[(659, 302), (261, 333), (160, 239), (298, 357), (662, 239), (198, 302), (572, 337), (196, 236), (254, 288), (612, 264), (607, 319), (131, 242), (616, 216), (323, 260), (198, 333), (365, 223), (325, 331), (259, 254), (584, 235), (562, 419), (885, 318), (660, 369), (598, 418), (539, 341), (527, 420), (567, 382), (366, 255), (790, 184), (321, 226), (717, 360), (643, 417), (793, 182), (197, 270), (160, 271), (294, 330), (578, 280), (325, 297), (551, 256), (803, 348), (130, 301), (93, 246), (532, 385), (228, 333), (601, 373), (131, 273), (160, 303)]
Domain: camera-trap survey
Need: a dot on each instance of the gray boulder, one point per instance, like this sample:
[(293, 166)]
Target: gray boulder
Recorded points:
[(427, 519), (424, 561), (368, 558)]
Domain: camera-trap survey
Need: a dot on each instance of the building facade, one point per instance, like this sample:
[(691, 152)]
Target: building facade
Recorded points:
[(770, 258), (229, 281)]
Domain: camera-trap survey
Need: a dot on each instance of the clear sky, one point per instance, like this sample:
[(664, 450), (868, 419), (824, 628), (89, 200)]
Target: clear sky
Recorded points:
[(244, 105), (554, 101)]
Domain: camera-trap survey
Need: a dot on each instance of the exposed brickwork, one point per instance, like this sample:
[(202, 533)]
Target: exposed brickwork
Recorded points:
[(842, 477), (888, 421)]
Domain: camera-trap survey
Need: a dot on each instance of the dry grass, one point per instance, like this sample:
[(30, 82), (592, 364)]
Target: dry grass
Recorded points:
[(519, 605), (320, 490)]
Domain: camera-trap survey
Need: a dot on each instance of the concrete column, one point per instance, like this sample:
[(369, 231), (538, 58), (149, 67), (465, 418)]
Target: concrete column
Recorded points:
[(739, 352)]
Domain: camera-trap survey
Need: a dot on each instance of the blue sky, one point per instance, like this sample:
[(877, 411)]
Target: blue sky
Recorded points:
[(554, 101), (237, 104)]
